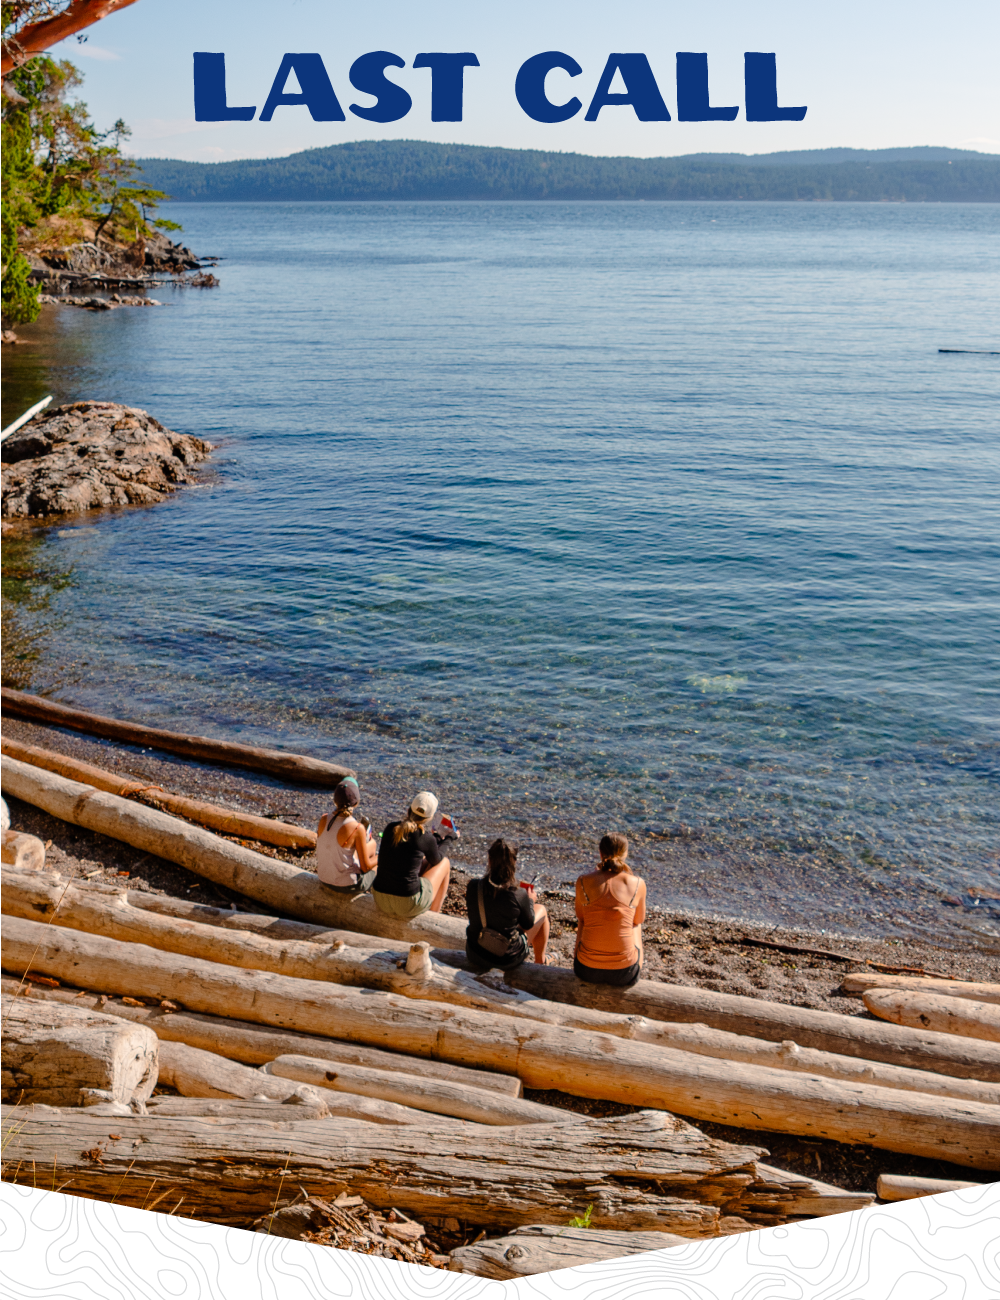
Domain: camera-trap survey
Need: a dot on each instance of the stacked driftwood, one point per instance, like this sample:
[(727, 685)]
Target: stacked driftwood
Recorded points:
[(346, 1054)]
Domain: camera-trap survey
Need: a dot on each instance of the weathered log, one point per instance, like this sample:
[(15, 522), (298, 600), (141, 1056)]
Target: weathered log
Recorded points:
[(107, 910), (544, 1056), (254, 1044), (280, 885), (642, 1171), (774, 1021), (899, 1187), (542, 1247), (50, 1053), (941, 1015), (299, 1106), (862, 981), (797, 1195), (196, 1073), (224, 820), (276, 762), (20, 850), (433, 1095)]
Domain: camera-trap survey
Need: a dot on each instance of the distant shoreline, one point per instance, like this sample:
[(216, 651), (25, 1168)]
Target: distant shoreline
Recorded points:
[(420, 171)]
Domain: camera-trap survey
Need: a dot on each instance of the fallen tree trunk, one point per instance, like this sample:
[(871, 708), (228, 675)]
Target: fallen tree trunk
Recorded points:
[(544, 1056), (280, 885), (50, 1053), (107, 910), (433, 1095), (942, 1015), (797, 1195), (254, 1044), (223, 820), (541, 1248), (774, 1021), (26, 852), (293, 1110), (862, 981), (646, 1170), (898, 1187), (195, 1073), (276, 762)]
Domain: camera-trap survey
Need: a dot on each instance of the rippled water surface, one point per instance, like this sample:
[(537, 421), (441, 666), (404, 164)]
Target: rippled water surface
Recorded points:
[(666, 517)]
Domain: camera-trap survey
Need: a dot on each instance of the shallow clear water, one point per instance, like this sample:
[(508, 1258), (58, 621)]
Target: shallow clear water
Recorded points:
[(663, 517)]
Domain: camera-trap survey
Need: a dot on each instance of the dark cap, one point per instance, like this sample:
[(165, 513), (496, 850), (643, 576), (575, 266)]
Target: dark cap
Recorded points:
[(347, 794)]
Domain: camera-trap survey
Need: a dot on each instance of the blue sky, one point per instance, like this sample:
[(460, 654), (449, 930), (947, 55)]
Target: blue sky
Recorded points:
[(874, 74)]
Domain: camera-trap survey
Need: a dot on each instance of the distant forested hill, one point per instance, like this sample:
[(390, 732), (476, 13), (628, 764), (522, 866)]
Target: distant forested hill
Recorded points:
[(415, 169)]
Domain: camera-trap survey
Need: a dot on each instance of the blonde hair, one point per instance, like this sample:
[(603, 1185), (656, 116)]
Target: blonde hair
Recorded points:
[(405, 829), (614, 850)]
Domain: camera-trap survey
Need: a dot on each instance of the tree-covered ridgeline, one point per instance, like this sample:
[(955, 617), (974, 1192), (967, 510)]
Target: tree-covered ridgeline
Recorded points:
[(419, 170), (64, 182)]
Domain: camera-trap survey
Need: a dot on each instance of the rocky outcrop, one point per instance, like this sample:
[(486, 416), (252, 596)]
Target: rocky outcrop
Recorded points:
[(90, 455), (99, 304), (151, 255)]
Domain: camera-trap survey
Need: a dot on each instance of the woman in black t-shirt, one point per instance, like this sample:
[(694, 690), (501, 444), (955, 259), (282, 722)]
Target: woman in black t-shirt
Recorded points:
[(413, 873), (510, 912)]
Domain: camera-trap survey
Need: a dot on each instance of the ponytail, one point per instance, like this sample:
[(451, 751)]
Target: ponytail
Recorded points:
[(613, 849), (405, 829)]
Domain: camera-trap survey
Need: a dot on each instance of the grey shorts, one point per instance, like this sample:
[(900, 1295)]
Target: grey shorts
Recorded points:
[(362, 887)]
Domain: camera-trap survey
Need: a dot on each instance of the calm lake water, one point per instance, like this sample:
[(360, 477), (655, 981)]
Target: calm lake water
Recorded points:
[(663, 517)]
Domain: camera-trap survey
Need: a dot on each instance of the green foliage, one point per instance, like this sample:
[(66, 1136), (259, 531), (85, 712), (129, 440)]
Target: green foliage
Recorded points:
[(63, 180), (415, 170), (582, 1220)]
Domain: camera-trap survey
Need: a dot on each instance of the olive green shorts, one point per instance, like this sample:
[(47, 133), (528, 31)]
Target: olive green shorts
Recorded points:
[(406, 908)]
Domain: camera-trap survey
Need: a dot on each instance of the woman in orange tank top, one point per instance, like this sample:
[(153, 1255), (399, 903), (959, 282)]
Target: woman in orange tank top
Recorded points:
[(610, 910)]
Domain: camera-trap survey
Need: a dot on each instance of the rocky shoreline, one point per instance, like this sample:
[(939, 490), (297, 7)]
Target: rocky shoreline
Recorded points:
[(90, 456)]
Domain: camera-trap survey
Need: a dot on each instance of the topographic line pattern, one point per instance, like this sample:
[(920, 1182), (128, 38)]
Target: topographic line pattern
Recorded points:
[(57, 1247)]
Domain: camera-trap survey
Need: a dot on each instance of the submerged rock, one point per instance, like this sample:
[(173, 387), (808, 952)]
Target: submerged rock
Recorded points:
[(89, 455)]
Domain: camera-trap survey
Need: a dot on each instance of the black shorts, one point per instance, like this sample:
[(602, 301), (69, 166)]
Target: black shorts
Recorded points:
[(482, 961), (619, 979)]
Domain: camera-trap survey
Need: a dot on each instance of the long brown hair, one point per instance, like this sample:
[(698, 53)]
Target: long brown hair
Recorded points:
[(614, 850), (502, 858)]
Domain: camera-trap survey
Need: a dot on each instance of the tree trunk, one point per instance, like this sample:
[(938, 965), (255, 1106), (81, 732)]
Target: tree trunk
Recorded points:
[(195, 1073), (50, 1054), (284, 887), (897, 1187), (107, 910), (276, 762), (253, 1044), (26, 852), (541, 1248), (774, 1021), (646, 1170), (544, 1056), (941, 1015), (223, 820), (433, 1095), (862, 981)]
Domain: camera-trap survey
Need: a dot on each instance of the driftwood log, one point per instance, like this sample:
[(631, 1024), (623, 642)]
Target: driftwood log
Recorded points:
[(108, 910), (299, 1106), (542, 1247), (278, 884), (24, 851), (544, 1056), (196, 1073), (899, 1187), (224, 820), (862, 981), (941, 1015), (643, 1171), (254, 1044), (51, 1052), (276, 762), (775, 1021), (432, 1095)]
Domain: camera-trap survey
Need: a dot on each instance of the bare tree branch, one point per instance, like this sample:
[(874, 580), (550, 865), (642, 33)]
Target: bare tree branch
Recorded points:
[(38, 36)]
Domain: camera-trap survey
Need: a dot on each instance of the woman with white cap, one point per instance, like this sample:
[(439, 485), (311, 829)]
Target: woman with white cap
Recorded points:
[(413, 873), (346, 854)]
